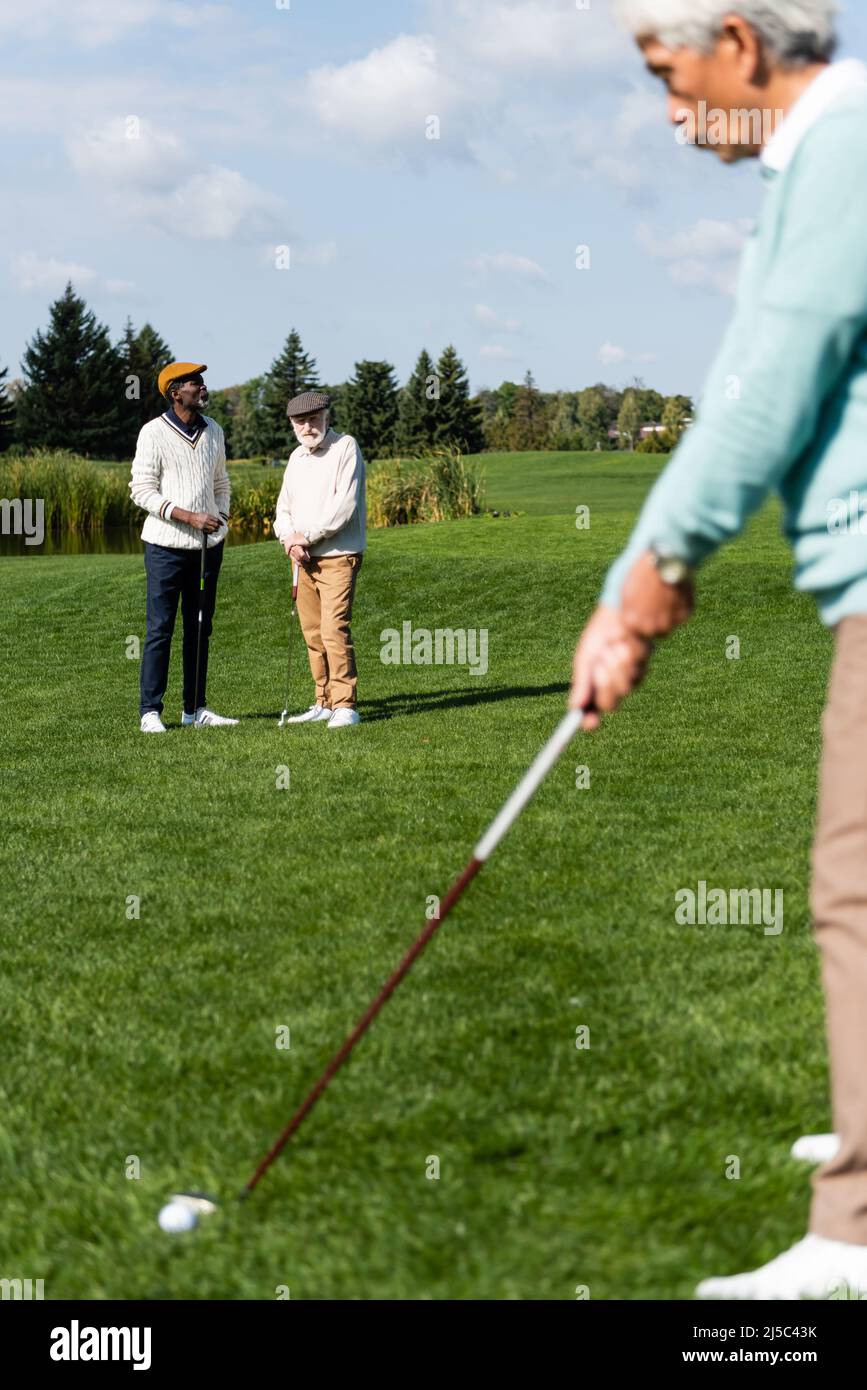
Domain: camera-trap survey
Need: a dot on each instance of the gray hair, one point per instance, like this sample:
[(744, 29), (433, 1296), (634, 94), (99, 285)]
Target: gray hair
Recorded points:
[(794, 32)]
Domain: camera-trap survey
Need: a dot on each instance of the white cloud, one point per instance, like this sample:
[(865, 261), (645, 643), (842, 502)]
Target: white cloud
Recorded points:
[(705, 256), (93, 23), (507, 263), (477, 67), (387, 97), (45, 273), (145, 179), (613, 356), (495, 352), (525, 36), (486, 315)]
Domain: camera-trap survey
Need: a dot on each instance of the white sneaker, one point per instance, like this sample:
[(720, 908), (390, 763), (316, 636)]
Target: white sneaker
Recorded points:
[(310, 716), (814, 1268), (343, 717), (816, 1148), (205, 716), (152, 724)]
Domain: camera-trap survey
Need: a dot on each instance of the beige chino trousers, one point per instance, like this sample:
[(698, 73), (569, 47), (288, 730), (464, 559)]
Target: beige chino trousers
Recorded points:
[(326, 588), (839, 904)]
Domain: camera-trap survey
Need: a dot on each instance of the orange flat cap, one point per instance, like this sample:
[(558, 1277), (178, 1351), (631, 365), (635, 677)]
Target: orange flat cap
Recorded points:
[(176, 369)]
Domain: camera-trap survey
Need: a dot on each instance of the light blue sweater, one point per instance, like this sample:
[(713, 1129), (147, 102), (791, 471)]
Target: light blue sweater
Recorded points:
[(785, 404)]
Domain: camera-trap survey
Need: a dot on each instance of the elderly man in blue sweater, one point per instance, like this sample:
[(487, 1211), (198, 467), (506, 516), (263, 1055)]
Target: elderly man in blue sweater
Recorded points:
[(784, 410)]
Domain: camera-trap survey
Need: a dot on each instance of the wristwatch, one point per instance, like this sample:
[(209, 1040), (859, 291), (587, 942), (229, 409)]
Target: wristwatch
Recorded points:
[(670, 567)]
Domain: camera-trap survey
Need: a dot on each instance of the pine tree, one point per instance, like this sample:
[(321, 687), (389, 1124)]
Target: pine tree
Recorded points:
[(7, 413), (459, 420), (335, 394), (143, 354), (368, 408), (417, 409), (529, 426), (73, 396), (289, 374), (248, 439)]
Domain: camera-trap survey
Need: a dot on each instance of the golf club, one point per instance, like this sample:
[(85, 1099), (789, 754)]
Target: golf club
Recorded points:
[(285, 715), (530, 782), (199, 633)]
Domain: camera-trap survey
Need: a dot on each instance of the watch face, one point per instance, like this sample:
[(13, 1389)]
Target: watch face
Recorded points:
[(673, 571)]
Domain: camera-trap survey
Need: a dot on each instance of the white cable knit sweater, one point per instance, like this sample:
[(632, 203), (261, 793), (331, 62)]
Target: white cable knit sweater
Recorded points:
[(170, 471)]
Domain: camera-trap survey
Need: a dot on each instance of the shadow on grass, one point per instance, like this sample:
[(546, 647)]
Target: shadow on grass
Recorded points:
[(427, 701)]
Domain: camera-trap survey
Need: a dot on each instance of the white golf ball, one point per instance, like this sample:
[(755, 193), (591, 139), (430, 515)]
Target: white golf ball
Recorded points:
[(176, 1217)]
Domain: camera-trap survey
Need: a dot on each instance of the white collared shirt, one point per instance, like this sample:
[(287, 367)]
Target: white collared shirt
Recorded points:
[(837, 80)]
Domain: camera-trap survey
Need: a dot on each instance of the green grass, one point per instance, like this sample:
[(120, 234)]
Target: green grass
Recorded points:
[(602, 1167)]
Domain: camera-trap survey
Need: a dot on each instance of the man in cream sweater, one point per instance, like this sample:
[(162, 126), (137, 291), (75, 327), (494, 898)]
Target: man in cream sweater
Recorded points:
[(321, 523), (179, 477)]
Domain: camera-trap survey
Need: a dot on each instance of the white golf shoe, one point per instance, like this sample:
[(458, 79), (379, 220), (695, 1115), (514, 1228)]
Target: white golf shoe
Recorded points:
[(816, 1148), (152, 724), (206, 717), (342, 718), (814, 1268), (312, 715)]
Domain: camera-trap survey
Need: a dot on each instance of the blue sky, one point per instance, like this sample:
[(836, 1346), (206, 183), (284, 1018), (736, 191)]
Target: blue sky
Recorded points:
[(157, 152)]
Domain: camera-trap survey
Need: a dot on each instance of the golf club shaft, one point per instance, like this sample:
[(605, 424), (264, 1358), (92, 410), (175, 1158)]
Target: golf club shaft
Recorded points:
[(529, 784), (201, 619), (289, 644)]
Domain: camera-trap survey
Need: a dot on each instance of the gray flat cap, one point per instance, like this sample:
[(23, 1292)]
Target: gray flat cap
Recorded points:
[(308, 403)]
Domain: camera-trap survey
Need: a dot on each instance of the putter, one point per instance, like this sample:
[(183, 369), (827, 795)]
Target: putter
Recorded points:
[(503, 821), (199, 634), (285, 715), (529, 784)]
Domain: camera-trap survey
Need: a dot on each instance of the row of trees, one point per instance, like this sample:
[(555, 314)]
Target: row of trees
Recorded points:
[(433, 409), (599, 417), (82, 392)]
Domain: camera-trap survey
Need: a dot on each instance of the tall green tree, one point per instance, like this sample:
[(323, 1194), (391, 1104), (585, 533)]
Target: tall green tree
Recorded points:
[(223, 407), (564, 427), (631, 418), (335, 393), (73, 397), (368, 408), (650, 403), (417, 413), (143, 354), (498, 421), (248, 435), (458, 418), (529, 426), (598, 408), (289, 374), (7, 413), (676, 411)]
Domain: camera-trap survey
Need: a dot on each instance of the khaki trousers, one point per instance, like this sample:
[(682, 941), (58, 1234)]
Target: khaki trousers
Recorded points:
[(326, 588), (839, 903)]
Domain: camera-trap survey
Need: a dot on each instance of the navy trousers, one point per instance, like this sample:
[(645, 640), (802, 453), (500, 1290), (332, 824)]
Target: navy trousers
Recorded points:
[(174, 574)]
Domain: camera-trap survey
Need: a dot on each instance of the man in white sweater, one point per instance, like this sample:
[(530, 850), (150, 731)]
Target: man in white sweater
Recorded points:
[(321, 523), (179, 477)]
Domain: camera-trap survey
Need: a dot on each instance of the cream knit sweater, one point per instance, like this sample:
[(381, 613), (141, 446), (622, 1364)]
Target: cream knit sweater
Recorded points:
[(170, 471), (323, 497)]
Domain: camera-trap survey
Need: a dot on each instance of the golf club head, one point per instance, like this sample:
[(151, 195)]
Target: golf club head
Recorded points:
[(283, 717)]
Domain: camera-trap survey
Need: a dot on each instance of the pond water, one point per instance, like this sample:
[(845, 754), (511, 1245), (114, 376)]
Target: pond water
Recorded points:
[(114, 540)]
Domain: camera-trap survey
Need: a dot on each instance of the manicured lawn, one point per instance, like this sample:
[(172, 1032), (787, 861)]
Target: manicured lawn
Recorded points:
[(259, 907)]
